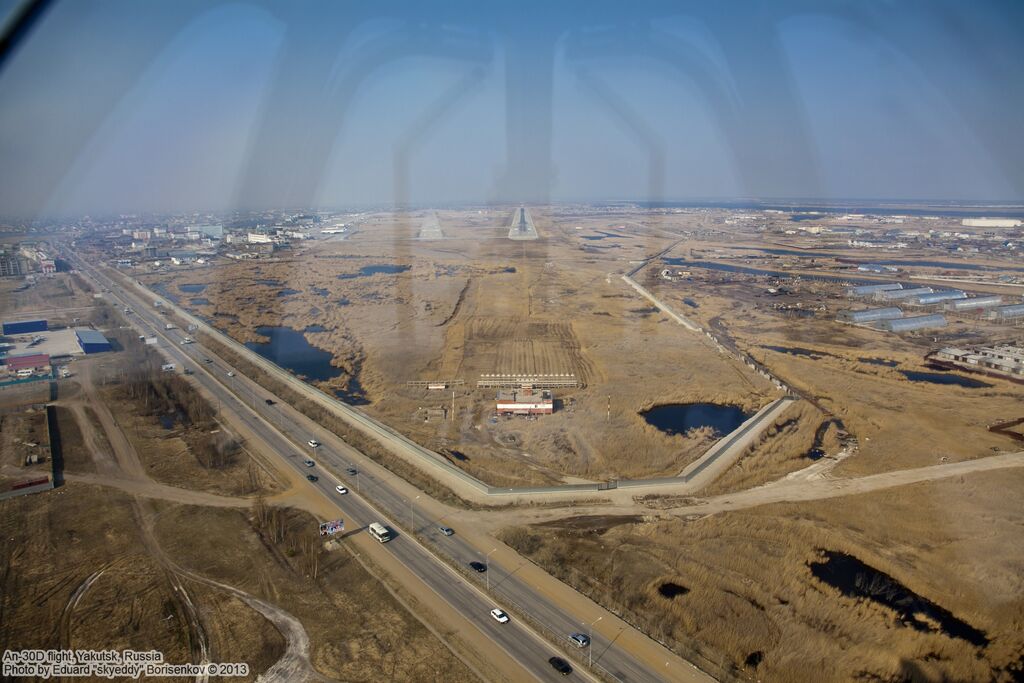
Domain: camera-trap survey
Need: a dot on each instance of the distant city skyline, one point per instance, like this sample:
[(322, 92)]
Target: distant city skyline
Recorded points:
[(168, 107)]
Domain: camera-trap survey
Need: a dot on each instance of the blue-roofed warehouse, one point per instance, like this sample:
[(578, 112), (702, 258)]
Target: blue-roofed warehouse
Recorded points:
[(25, 326), (91, 341)]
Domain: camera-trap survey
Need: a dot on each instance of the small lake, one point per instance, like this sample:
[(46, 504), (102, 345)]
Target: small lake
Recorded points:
[(378, 268), (941, 378), (192, 289), (690, 302), (682, 417), (200, 301), (289, 349), (161, 289), (319, 291), (853, 578), (287, 292), (817, 450)]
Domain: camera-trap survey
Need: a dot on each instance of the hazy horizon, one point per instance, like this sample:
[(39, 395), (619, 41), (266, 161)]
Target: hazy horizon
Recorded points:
[(182, 107)]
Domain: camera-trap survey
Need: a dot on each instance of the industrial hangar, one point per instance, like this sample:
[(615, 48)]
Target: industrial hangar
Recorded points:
[(28, 342)]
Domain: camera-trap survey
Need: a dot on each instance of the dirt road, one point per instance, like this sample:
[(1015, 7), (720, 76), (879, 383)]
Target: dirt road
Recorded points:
[(786, 490)]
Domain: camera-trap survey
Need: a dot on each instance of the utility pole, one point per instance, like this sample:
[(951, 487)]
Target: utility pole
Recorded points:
[(590, 645), (412, 517), (487, 568), (609, 417), (453, 406)]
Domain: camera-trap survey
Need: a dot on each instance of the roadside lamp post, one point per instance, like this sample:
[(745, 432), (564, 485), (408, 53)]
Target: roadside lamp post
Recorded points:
[(590, 645), (487, 568)]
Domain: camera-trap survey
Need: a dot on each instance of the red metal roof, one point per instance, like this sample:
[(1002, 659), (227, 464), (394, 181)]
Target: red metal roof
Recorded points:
[(35, 360)]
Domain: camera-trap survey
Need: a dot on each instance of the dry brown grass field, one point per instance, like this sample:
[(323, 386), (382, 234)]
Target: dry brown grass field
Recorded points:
[(475, 303), (357, 629), (54, 543), (782, 448), (750, 603), (898, 423)]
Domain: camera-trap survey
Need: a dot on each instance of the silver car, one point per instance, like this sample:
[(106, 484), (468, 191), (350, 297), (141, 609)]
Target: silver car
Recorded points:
[(579, 639)]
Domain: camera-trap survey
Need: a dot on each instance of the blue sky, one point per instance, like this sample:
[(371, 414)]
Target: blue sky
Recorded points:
[(164, 106)]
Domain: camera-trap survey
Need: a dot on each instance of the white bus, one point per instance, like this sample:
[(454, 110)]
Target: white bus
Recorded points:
[(380, 532)]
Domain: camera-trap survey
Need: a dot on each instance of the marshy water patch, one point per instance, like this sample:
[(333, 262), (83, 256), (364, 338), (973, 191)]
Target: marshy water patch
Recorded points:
[(887, 362), (679, 418), (192, 288), (817, 450), (856, 579), (649, 310), (375, 269), (942, 378), (671, 590), (288, 348)]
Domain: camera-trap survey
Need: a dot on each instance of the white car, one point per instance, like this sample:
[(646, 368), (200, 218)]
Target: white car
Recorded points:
[(499, 616), (341, 489), (231, 373), (313, 443), (308, 463)]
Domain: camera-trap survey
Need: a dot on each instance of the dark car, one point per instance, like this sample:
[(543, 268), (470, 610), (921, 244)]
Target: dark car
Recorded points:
[(270, 402), (560, 665), (478, 567), (352, 471), (312, 477)]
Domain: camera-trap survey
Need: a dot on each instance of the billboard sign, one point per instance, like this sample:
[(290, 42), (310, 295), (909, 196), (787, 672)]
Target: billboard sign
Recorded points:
[(331, 528)]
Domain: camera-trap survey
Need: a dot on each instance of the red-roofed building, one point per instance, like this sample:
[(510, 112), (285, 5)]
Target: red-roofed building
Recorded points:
[(525, 401), (35, 361)]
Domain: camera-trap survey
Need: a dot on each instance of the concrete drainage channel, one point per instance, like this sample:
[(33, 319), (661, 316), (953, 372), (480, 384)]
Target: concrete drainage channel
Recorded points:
[(711, 462)]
